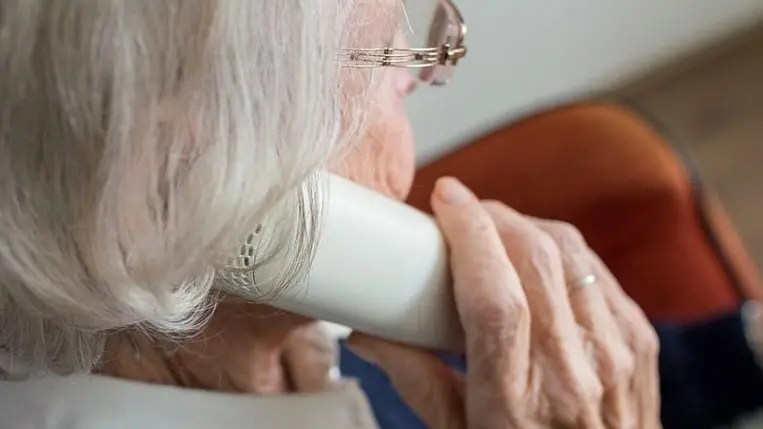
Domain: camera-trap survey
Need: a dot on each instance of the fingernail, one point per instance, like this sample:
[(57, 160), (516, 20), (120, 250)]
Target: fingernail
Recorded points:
[(451, 191)]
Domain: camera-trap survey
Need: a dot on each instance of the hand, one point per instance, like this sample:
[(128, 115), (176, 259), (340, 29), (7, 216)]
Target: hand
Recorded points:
[(545, 346)]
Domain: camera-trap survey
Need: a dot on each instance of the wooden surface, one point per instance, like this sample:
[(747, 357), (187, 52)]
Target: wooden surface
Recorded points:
[(716, 108)]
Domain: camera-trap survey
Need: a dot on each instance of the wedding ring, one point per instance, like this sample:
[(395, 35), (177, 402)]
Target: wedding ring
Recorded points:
[(582, 282)]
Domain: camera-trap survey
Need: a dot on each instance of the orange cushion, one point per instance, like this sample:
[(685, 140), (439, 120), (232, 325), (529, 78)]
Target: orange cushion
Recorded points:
[(604, 168)]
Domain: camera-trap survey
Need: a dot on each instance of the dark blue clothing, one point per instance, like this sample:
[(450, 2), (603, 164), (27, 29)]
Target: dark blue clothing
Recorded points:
[(708, 378)]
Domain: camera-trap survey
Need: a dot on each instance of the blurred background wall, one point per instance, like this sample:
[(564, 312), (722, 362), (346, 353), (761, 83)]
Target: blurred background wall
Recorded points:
[(695, 65), (529, 53)]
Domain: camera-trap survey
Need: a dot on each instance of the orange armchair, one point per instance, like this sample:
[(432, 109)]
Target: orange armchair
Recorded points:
[(608, 170)]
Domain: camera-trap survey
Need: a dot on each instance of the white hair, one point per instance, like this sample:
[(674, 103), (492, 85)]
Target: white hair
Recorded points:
[(140, 141)]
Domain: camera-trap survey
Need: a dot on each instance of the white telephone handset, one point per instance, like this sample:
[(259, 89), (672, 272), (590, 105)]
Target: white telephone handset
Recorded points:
[(381, 268)]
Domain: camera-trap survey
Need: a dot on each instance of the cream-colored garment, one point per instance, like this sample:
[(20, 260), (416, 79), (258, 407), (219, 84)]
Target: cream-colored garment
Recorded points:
[(92, 402)]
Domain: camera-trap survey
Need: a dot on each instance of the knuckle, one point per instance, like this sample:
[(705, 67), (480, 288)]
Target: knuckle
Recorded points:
[(567, 236), (618, 363), (589, 384), (519, 228), (520, 310), (591, 392), (646, 342), (526, 241), (492, 317), (478, 226), (500, 318), (588, 389), (471, 234), (542, 249), (649, 343)]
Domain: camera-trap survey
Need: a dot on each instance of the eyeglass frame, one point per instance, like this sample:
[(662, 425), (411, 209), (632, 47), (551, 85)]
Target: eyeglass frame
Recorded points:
[(413, 58)]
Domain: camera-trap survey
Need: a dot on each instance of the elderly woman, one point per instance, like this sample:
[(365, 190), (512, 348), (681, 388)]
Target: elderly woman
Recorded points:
[(142, 140)]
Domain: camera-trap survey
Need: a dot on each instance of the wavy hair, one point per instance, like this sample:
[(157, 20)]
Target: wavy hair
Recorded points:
[(140, 141)]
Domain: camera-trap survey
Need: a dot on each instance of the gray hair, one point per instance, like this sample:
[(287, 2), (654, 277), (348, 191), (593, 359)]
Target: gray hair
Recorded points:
[(140, 140)]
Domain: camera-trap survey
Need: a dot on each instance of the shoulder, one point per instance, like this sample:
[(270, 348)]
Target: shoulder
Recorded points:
[(93, 402)]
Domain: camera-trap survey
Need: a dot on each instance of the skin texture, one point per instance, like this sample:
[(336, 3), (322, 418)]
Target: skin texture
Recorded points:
[(385, 160), (542, 351)]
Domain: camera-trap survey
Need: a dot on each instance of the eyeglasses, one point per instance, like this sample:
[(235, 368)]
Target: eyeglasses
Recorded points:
[(436, 63)]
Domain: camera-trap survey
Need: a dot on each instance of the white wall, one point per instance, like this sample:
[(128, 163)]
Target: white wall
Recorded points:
[(526, 53)]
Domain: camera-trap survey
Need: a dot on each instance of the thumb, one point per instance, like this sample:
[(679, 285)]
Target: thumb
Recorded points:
[(434, 391)]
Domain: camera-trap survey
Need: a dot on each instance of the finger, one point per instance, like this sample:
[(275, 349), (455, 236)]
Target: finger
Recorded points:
[(309, 355), (432, 390), (641, 338), (647, 382), (572, 384), (491, 304), (487, 289), (613, 358)]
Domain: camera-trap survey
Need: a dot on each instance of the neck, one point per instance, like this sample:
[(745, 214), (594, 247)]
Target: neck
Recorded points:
[(242, 349)]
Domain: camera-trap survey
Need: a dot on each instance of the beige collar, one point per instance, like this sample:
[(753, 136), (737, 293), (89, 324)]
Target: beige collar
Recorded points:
[(91, 402)]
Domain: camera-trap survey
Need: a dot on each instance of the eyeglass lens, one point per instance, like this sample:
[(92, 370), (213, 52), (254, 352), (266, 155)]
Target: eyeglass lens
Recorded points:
[(432, 24)]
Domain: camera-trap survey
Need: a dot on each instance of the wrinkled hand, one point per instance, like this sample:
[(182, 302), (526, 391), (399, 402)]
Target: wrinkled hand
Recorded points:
[(544, 347)]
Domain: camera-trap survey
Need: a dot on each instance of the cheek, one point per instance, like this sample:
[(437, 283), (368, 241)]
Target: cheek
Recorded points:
[(385, 159)]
